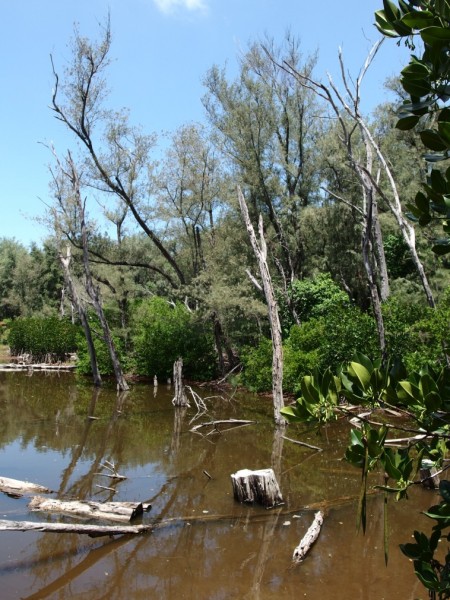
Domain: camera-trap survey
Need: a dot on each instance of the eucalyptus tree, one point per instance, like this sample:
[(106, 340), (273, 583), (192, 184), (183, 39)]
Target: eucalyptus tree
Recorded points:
[(268, 125)]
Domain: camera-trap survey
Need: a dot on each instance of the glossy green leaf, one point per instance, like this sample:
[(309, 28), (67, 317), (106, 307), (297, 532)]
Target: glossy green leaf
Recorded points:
[(407, 123), (432, 140), (418, 19), (444, 131), (361, 373), (435, 35)]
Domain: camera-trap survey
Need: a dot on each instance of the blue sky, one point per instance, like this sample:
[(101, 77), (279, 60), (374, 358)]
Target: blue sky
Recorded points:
[(161, 50)]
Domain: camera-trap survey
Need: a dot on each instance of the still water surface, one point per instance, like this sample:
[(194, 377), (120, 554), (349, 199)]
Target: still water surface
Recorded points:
[(212, 548)]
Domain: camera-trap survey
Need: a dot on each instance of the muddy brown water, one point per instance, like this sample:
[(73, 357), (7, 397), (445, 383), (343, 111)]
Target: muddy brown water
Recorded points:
[(213, 548)]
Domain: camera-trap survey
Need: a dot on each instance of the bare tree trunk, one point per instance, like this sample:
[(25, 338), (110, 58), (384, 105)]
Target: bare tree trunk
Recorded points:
[(260, 251), (180, 396), (65, 262), (92, 290)]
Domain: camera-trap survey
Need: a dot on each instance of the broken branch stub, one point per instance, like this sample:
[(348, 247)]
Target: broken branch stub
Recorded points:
[(257, 486)]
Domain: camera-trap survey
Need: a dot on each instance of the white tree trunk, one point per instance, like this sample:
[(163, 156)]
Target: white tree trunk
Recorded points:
[(260, 251)]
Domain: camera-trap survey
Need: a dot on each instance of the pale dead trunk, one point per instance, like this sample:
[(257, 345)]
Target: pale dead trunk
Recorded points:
[(260, 251), (180, 398), (79, 306)]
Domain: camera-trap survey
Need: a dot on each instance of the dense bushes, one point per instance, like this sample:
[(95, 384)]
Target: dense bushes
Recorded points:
[(42, 338), (321, 342), (162, 332)]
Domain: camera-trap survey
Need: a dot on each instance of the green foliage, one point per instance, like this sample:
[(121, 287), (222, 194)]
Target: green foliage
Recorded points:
[(257, 363), (429, 337), (314, 297), (102, 353), (318, 400), (162, 332), (320, 343), (398, 258), (42, 338), (426, 80)]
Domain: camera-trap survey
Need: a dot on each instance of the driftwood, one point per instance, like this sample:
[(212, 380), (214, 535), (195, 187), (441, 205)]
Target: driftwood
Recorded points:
[(16, 488), (310, 446), (309, 538), (95, 530), (257, 486), (214, 424), (113, 511)]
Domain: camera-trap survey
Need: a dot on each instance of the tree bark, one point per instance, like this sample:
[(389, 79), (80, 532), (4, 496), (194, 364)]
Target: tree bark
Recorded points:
[(256, 486), (95, 530), (81, 310), (260, 251), (309, 538), (180, 398), (112, 511), (14, 487)]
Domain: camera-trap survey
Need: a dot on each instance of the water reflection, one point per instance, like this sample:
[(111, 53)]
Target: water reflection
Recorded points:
[(59, 433)]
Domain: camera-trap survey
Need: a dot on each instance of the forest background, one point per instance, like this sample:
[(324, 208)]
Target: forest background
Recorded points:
[(178, 276)]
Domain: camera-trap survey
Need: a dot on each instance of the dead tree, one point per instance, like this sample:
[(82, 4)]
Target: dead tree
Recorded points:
[(67, 187), (81, 310), (180, 398), (260, 251)]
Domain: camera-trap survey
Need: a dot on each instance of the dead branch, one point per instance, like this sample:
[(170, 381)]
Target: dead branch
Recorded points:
[(214, 424), (309, 538), (302, 444), (16, 488), (95, 530)]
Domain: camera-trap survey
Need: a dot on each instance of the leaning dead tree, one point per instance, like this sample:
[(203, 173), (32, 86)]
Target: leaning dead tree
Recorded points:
[(70, 213), (260, 251), (349, 104)]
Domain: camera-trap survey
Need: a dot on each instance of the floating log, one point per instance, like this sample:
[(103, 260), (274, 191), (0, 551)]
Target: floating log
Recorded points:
[(309, 538), (113, 511), (94, 530), (16, 488), (256, 486)]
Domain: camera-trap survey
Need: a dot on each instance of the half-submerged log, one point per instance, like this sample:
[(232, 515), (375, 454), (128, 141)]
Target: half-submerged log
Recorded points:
[(256, 486), (17, 489), (112, 511), (94, 530), (309, 538), (180, 398)]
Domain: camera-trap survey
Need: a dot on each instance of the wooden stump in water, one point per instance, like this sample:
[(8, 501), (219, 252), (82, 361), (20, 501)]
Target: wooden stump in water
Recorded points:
[(257, 486), (180, 398)]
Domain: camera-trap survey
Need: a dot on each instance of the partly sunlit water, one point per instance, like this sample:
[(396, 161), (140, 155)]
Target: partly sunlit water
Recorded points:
[(209, 546)]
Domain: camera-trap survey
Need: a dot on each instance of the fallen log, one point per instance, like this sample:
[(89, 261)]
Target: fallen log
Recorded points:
[(309, 538), (113, 511), (94, 530), (256, 486), (17, 488)]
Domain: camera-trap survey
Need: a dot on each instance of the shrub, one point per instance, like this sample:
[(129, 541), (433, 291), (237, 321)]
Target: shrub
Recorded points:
[(313, 298), (43, 338), (163, 332), (102, 353)]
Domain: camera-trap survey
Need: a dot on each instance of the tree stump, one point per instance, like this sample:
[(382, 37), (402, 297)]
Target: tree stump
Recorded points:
[(257, 486), (180, 398)]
